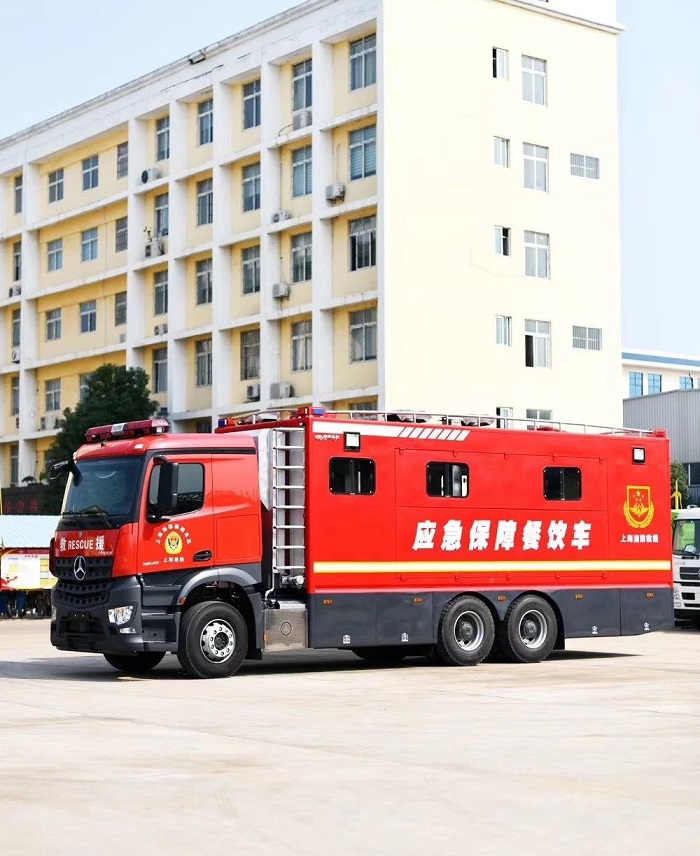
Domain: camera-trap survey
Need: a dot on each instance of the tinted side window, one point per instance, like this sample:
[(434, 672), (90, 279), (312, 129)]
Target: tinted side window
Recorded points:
[(562, 483), (352, 476), (190, 487), (447, 479)]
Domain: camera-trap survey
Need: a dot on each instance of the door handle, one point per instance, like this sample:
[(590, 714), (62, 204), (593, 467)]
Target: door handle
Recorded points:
[(203, 556)]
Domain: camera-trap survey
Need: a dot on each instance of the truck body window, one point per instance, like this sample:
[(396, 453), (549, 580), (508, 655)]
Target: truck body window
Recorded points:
[(447, 479), (562, 483), (190, 487), (352, 476)]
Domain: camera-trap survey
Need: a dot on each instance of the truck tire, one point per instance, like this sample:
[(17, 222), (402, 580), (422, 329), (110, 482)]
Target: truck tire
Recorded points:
[(386, 654), (528, 633), (134, 664), (213, 640), (465, 633)]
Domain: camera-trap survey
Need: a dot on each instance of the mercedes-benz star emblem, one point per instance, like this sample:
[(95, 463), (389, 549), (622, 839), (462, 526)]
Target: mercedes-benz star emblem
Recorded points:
[(79, 568)]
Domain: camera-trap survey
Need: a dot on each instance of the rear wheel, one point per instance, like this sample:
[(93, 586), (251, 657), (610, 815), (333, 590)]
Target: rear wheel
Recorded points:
[(466, 632), (382, 654), (134, 664), (213, 640), (528, 633)]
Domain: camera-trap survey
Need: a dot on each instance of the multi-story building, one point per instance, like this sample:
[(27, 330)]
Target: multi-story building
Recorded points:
[(651, 372), (359, 203)]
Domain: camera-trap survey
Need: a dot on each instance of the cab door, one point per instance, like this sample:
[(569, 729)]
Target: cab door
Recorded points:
[(185, 541)]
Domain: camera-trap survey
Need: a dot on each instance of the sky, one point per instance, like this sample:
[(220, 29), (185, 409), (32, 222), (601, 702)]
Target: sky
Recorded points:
[(57, 51)]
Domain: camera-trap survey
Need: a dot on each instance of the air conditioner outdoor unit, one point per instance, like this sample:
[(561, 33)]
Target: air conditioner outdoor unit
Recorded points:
[(150, 174), (154, 247), (281, 390), (302, 119), (278, 216), (252, 392), (335, 192), (122, 338), (14, 355), (280, 290), (15, 290), (160, 329)]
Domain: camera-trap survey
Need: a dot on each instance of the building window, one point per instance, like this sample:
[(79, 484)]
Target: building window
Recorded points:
[(160, 370), (55, 254), (538, 415), (504, 330), (163, 138), (537, 255), (585, 166), (18, 194), (88, 316), (505, 415), (653, 383), (685, 383), (83, 384), (204, 283), (443, 479), (502, 241), (250, 354), (14, 464), (56, 186), (203, 355), (161, 209), (160, 292), (52, 394), (536, 167), (205, 120), (538, 344), (352, 476), (534, 80), (636, 384), (251, 104), (301, 171), (363, 153), (562, 483), (363, 62), (301, 346), (16, 328), (301, 85), (370, 405), (121, 234), (301, 257), (14, 396), (251, 187), (588, 338), (363, 335), (501, 151), (88, 245), (17, 261), (122, 160), (202, 426), (500, 63), (53, 325), (120, 308), (205, 202), (251, 269), (91, 176), (363, 243)]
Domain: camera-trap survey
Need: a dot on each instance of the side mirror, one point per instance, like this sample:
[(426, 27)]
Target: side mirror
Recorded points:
[(166, 504)]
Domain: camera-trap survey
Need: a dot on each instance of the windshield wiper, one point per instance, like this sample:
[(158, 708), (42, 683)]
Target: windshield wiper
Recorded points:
[(93, 511), (75, 516)]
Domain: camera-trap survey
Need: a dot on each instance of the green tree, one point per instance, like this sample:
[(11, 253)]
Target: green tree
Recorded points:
[(679, 474), (113, 394)]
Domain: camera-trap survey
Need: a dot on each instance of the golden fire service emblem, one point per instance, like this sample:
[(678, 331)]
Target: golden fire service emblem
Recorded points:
[(638, 507)]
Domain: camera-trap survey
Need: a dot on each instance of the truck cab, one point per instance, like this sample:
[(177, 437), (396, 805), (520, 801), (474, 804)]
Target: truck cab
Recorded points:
[(686, 565)]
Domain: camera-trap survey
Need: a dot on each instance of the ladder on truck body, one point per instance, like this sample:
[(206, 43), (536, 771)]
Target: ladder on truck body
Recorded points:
[(288, 507)]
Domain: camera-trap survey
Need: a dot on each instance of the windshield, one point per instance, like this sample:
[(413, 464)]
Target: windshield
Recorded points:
[(686, 537), (106, 493)]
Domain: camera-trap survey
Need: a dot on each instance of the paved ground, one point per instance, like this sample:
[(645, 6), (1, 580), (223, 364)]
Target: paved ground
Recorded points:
[(596, 751)]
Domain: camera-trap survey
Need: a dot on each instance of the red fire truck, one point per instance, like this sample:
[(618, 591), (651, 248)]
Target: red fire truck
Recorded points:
[(386, 534)]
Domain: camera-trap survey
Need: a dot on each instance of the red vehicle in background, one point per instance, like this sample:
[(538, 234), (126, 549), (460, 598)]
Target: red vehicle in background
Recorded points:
[(388, 534)]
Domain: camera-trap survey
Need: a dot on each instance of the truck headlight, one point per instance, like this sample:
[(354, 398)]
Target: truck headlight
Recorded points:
[(120, 614)]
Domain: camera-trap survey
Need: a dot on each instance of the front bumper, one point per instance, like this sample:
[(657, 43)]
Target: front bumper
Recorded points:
[(89, 629)]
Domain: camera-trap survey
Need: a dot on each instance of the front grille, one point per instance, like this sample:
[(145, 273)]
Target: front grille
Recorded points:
[(690, 574), (93, 590)]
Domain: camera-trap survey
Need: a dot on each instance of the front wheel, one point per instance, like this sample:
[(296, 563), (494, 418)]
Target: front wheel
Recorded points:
[(134, 664), (213, 640), (466, 632), (528, 633)]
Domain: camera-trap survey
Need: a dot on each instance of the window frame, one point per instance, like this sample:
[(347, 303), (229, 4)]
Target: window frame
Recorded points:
[(536, 167), (162, 134), (55, 183), (89, 244), (121, 234), (589, 167), (504, 330), (250, 354), (501, 146), (302, 74), (565, 484), (203, 282), (161, 215), (363, 331), (302, 257), (353, 465), (88, 316), (363, 62), (363, 242), (203, 363), (122, 159), (52, 395), (302, 171), (498, 54), (120, 304), (252, 99), (250, 260), (160, 292), (587, 338), (302, 345), (532, 338), (503, 240), (159, 359), (446, 479), (53, 324), (91, 172), (251, 180), (14, 396), (54, 253), (636, 381), (205, 122), (17, 261), (18, 190), (364, 141), (531, 75), (537, 253), (205, 202)]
